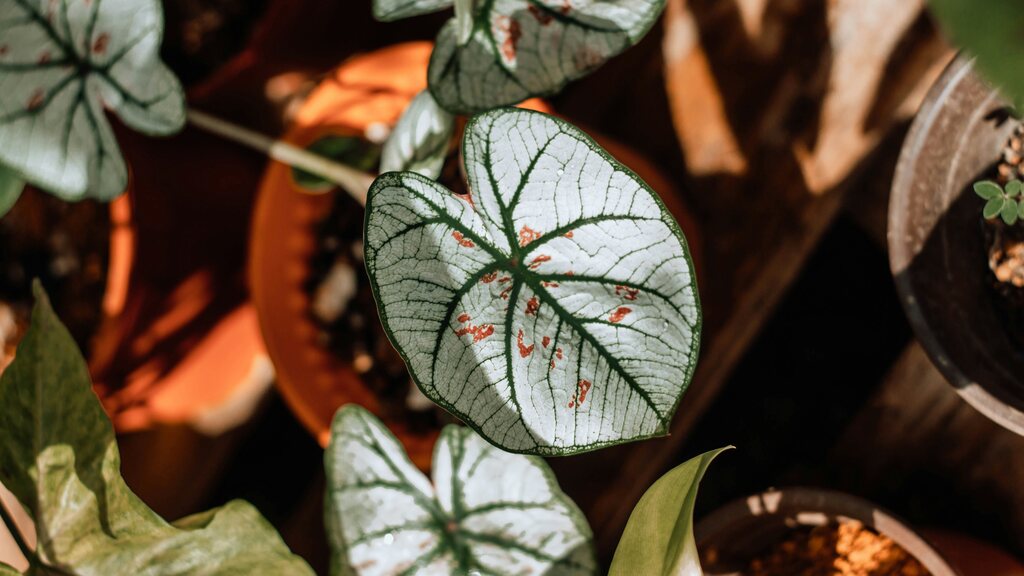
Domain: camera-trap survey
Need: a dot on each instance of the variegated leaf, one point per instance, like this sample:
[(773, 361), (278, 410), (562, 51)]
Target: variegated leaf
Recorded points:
[(554, 310), (388, 10), (523, 48), (59, 457), (487, 512), (61, 62), (419, 142)]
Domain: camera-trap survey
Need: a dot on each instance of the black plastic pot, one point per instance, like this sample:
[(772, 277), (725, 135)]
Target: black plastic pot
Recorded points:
[(937, 249), (747, 528)]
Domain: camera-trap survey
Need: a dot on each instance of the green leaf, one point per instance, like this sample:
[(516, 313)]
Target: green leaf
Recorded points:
[(351, 151), (990, 31), (524, 48), (987, 189), (993, 207), (419, 142), (59, 457), (11, 186), (1013, 188), (1009, 212), (389, 10), (555, 310), (1020, 210), (6, 570), (658, 539), (487, 511), (62, 62)]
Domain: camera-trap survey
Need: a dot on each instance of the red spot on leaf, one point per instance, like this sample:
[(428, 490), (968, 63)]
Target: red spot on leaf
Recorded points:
[(527, 235), (566, 6), (540, 259), (463, 318), (532, 307), (620, 313), (582, 387), (545, 341), (3, 49), (99, 46), (504, 293), (504, 279), (509, 28), (462, 240), (627, 292), (543, 17), (36, 100), (524, 350), (568, 234), (489, 277), (549, 284), (467, 197), (44, 58), (478, 332), (558, 353)]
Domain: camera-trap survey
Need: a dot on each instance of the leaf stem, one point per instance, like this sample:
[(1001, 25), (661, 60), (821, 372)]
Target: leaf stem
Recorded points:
[(12, 527), (464, 20), (355, 182)]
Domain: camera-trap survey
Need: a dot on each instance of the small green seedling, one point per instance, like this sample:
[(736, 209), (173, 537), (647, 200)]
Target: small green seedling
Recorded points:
[(1005, 202)]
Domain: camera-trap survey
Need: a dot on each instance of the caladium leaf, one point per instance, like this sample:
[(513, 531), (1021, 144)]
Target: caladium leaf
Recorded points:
[(61, 61), (59, 457), (488, 511), (554, 310), (419, 142), (11, 186), (524, 48), (388, 10), (658, 539)]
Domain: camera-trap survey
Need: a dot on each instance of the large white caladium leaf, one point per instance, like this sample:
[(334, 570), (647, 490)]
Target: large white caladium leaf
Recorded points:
[(554, 310), (388, 10), (523, 48), (61, 62), (419, 142), (487, 512)]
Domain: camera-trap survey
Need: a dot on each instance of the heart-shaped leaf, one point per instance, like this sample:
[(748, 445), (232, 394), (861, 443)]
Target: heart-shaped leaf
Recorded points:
[(524, 48), (388, 10), (987, 189), (488, 511), (11, 186), (555, 310), (419, 142), (658, 539), (59, 457), (61, 61)]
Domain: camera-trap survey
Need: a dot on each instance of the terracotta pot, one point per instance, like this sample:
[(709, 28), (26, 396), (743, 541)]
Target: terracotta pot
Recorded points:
[(745, 528), (974, 558), (936, 245)]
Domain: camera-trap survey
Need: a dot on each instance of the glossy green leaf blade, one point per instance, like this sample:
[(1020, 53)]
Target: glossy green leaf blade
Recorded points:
[(59, 457), (419, 142), (11, 186), (390, 10), (555, 310), (524, 48), (488, 511), (62, 62), (658, 539)]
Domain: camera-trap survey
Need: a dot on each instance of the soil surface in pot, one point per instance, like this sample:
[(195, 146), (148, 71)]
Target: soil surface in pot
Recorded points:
[(343, 308), (66, 246), (845, 548)]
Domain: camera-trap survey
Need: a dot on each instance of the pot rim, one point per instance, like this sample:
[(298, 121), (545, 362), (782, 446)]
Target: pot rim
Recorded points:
[(901, 253), (814, 503)]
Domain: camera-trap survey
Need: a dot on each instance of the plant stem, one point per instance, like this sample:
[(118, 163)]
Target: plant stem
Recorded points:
[(355, 182), (12, 527), (464, 20)]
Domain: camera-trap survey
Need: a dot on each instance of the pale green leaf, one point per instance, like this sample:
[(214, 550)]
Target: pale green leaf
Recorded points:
[(555, 310), (987, 189), (11, 186), (61, 63), (487, 511), (6, 570), (658, 540), (524, 48), (388, 10), (1009, 212), (1013, 188), (59, 457), (419, 142), (993, 207)]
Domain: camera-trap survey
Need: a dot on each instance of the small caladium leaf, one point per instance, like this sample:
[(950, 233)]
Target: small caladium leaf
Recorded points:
[(524, 48), (11, 186), (59, 457), (554, 310), (389, 10), (61, 62), (351, 151), (419, 142), (487, 512), (987, 189), (658, 539), (993, 207), (1009, 212)]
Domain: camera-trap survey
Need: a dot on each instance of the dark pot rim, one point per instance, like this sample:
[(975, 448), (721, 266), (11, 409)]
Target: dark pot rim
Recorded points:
[(799, 506)]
